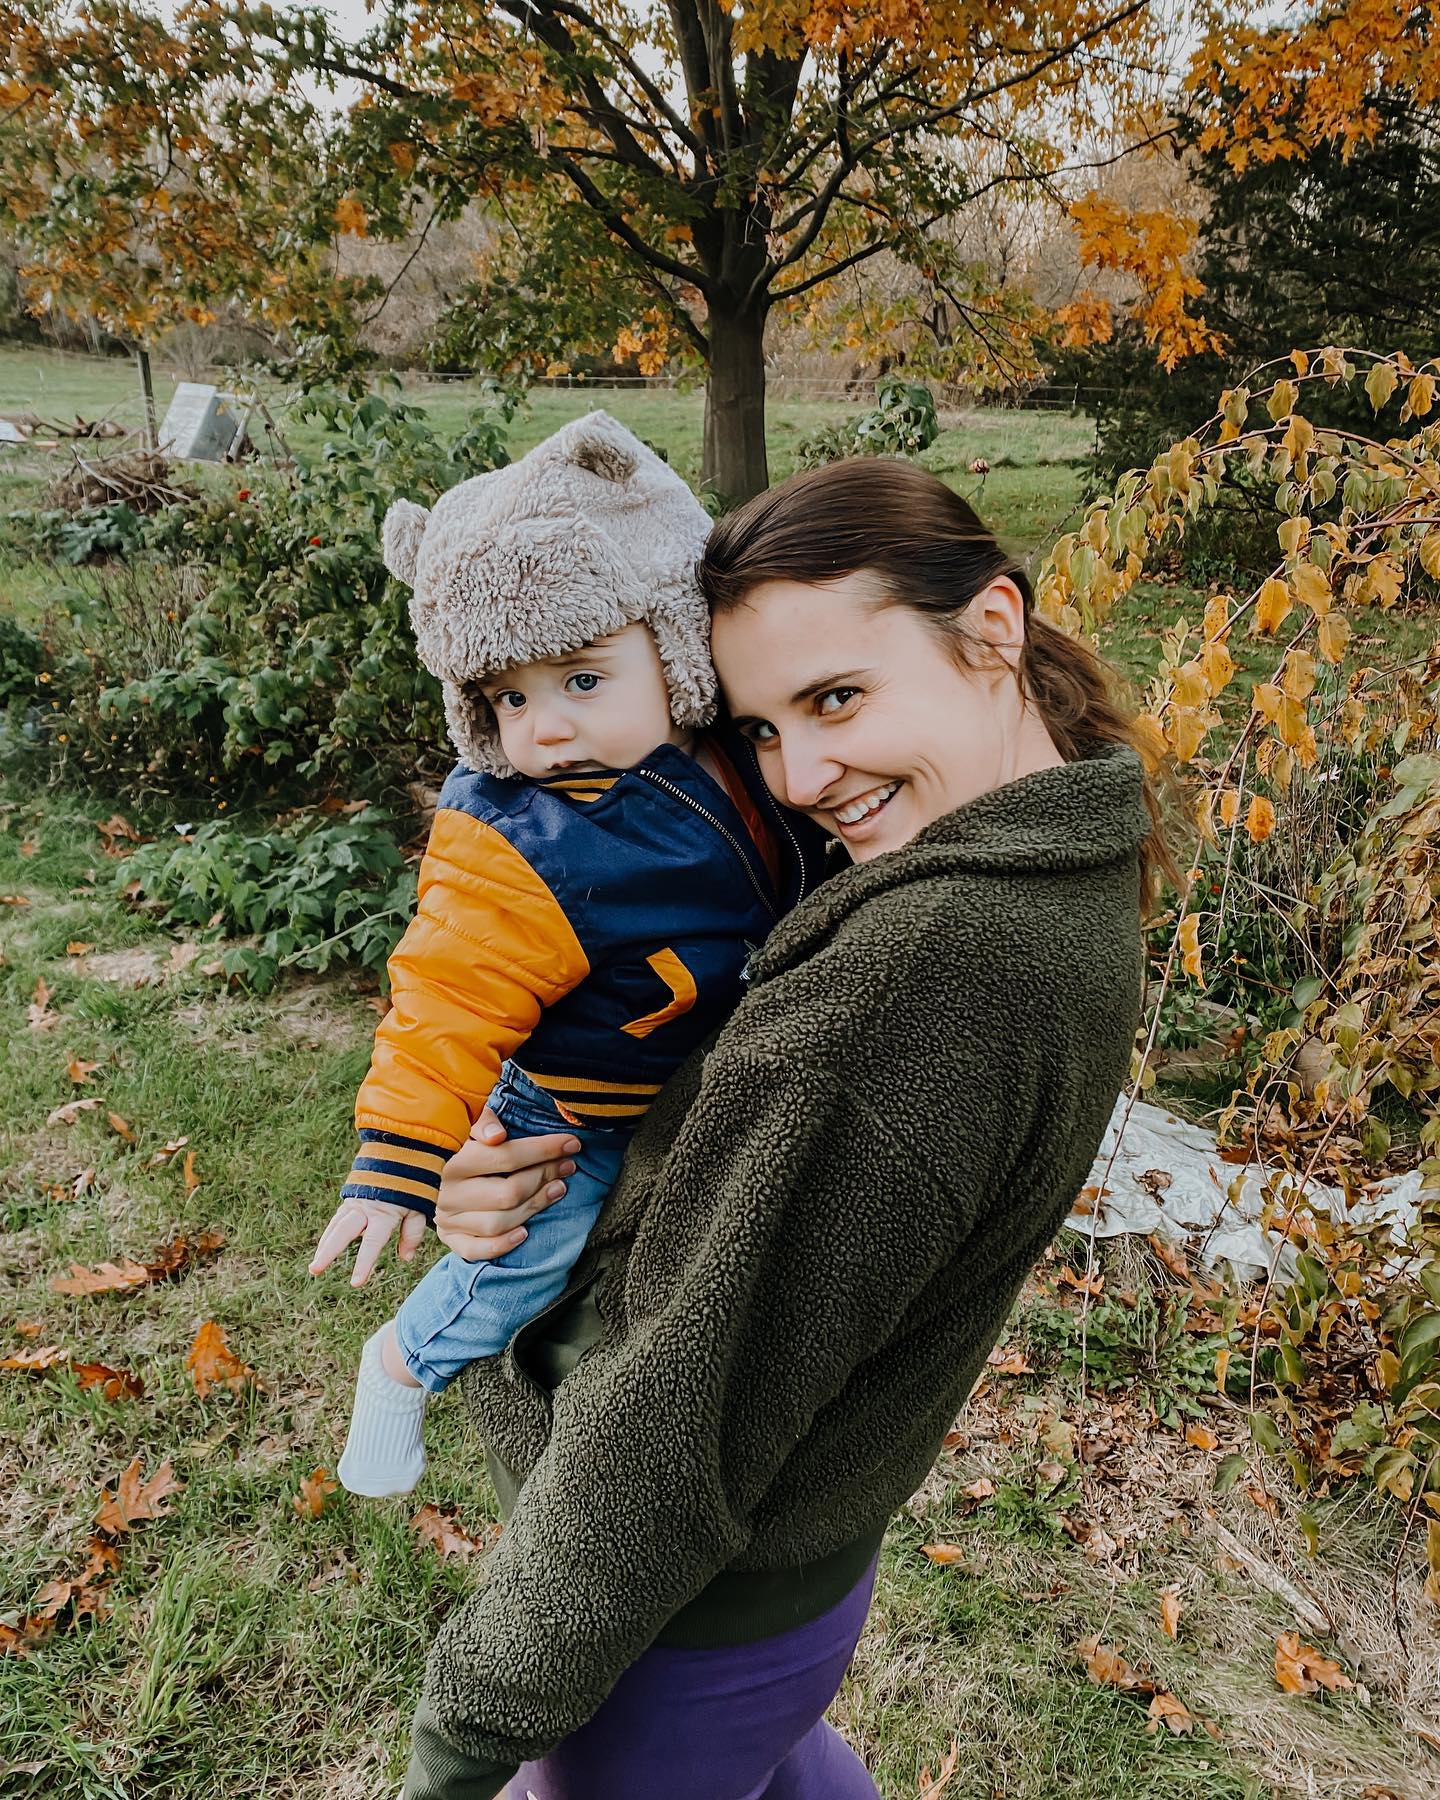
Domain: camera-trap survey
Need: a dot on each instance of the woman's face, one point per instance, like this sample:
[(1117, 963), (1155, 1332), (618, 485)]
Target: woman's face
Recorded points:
[(861, 715)]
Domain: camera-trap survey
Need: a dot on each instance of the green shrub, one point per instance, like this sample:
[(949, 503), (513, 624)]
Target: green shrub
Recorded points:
[(308, 894), (902, 422), (255, 631)]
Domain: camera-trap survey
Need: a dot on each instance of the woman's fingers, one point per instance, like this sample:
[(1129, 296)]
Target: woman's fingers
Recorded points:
[(502, 1201), (479, 1249), (478, 1156), (378, 1232), (345, 1225)]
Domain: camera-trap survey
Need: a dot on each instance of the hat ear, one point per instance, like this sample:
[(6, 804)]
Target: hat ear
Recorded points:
[(404, 528), (598, 450)]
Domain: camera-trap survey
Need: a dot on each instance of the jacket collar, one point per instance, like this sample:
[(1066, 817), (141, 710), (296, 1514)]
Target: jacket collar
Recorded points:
[(1081, 815)]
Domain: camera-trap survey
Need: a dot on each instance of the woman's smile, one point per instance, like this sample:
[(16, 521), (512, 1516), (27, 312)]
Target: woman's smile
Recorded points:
[(855, 815)]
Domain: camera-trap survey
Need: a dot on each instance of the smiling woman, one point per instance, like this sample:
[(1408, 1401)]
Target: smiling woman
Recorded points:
[(823, 1220)]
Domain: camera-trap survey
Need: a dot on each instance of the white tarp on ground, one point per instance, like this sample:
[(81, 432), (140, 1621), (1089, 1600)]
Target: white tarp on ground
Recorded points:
[(1157, 1173)]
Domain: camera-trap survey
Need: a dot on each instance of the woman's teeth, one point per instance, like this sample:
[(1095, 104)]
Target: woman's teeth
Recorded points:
[(864, 804)]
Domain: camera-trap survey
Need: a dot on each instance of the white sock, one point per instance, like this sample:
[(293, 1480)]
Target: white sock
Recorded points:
[(385, 1451)]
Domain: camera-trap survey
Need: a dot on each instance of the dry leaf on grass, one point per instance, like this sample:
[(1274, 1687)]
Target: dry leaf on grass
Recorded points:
[(931, 1787), (192, 1180), (1170, 1613), (1201, 1436), (943, 1553), (133, 1500), (38, 1012), (14, 900), (71, 1111), (116, 828), (44, 1358), (982, 1488), (86, 1595), (109, 1278), (1301, 1669), (83, 1183), (21, 1639), (80, 1071), (167, 1263), (213, 1363), (1008, 1362), (1092, 1284), (117, 1384), (439, 1526), (1164, 1709), (166, 1151), (76, 948), (1106, 1667), (121, 1128), (1171, 1255), (315, 1489)]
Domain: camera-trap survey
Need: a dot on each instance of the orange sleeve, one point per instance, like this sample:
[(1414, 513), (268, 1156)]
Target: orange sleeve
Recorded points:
[(488, 948)]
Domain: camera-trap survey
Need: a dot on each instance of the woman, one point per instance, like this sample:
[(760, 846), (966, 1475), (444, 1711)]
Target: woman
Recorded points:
[(821, 1227)]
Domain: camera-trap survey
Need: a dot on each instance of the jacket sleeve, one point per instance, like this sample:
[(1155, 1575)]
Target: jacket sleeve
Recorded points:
[(779, 1183), (488, 948)]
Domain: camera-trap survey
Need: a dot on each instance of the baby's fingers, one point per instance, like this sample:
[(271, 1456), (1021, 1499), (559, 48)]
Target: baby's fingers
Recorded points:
[(345, 1226), (378, 1232)]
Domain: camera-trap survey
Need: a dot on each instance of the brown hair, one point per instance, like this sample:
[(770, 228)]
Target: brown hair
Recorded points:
[(931, 553)]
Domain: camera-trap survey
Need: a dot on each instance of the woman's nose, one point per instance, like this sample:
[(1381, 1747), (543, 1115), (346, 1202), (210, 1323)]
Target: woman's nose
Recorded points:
[(809, 775)]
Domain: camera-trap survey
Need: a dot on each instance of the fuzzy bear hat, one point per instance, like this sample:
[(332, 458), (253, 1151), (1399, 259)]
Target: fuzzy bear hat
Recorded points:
[(587, 533)]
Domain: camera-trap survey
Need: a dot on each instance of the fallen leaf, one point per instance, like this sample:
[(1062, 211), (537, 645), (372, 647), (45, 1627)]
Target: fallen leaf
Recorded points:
[(192, 1180), (80, 1072), (118, 1384), (108, 1278), (1051, 1474), (943, 1553), (83, 1183), (1171, 1255), (133, 1500), (212, 1363), (121, 1128), (1170, 1613), (183, 954), (1155, 1181), (315, 1489), (76, 948), (29, 1328), (44, 1358), (439, 1527), (930, 1788), (70, 1111), (1106, 1667), (981, 1489), (955, 1440), (166, 1151), (38, 1012), (1301, 1669), (1201, 1436), (1008, 1362), (1165, 1709), (29, 847), (21, 1639), (14, 900), (115, 828), (1092, 1284)]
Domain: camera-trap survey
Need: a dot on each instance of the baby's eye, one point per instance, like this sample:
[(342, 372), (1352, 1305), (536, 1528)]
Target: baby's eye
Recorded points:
[(583, 683), (507, 700), (834, 700)]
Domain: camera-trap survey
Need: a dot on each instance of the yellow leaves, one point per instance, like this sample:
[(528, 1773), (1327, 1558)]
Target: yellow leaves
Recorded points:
[(402, 155), (1152, 247), (1299, 437), (1189, 686), (1272, 606), (1312, 587), (1170, 1613), (315, 1491), (1380, 384), (1188, 938), (1293, 534), (1229, 807), (1217, 617), (1085, 321), (1186, 730), (1420, 397), (1332, 635), (1297, 676), (1381, 582), (1430, 553), (1280, 402), (1260, 820), (350, 216), (1218, 667)]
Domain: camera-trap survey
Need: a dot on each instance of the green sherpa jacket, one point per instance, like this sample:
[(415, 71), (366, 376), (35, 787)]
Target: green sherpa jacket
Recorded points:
[(815, 1241)]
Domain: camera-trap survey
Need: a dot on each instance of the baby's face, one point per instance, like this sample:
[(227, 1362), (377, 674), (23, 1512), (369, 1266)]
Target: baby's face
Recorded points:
[(603, 707)]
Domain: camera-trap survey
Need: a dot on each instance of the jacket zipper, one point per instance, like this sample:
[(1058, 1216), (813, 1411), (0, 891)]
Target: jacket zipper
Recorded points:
[(728, 835), (784, 825)]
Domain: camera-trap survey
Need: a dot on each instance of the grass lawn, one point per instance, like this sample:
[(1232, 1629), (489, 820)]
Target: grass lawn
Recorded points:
[(244, 1647)]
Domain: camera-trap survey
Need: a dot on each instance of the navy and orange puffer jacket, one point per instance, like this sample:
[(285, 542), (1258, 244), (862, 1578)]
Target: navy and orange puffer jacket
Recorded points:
[(594, 927)]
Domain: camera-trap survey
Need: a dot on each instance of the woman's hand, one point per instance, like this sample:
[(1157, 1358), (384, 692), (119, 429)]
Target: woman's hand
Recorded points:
[(492, 1185), (374, 1223)]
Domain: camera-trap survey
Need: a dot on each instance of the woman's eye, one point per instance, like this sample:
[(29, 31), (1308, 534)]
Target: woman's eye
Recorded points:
[(835, 699), (584, 683), (762, 732)]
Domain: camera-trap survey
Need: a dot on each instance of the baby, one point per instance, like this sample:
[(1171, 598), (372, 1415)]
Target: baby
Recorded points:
[(595, 879)]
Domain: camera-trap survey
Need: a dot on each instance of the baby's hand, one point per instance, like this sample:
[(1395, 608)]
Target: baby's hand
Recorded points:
[(374, 1222)]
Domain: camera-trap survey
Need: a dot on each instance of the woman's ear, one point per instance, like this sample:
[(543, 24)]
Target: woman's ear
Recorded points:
[(997, 616)]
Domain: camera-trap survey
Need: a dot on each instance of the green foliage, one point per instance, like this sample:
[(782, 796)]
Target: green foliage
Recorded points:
[(22, 661), (256, 628), (1147, 1349), (86, 536), (309, 894), (902, 422)]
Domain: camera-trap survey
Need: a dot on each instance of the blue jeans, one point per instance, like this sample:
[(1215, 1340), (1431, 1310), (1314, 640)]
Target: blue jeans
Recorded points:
[(460, 1311)]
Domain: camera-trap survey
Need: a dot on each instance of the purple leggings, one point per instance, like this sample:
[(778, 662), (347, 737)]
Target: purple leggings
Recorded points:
[(742, 1723)]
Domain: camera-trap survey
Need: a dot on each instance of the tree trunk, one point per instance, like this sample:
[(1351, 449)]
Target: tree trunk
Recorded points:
[(734, 465), (147, 393)]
